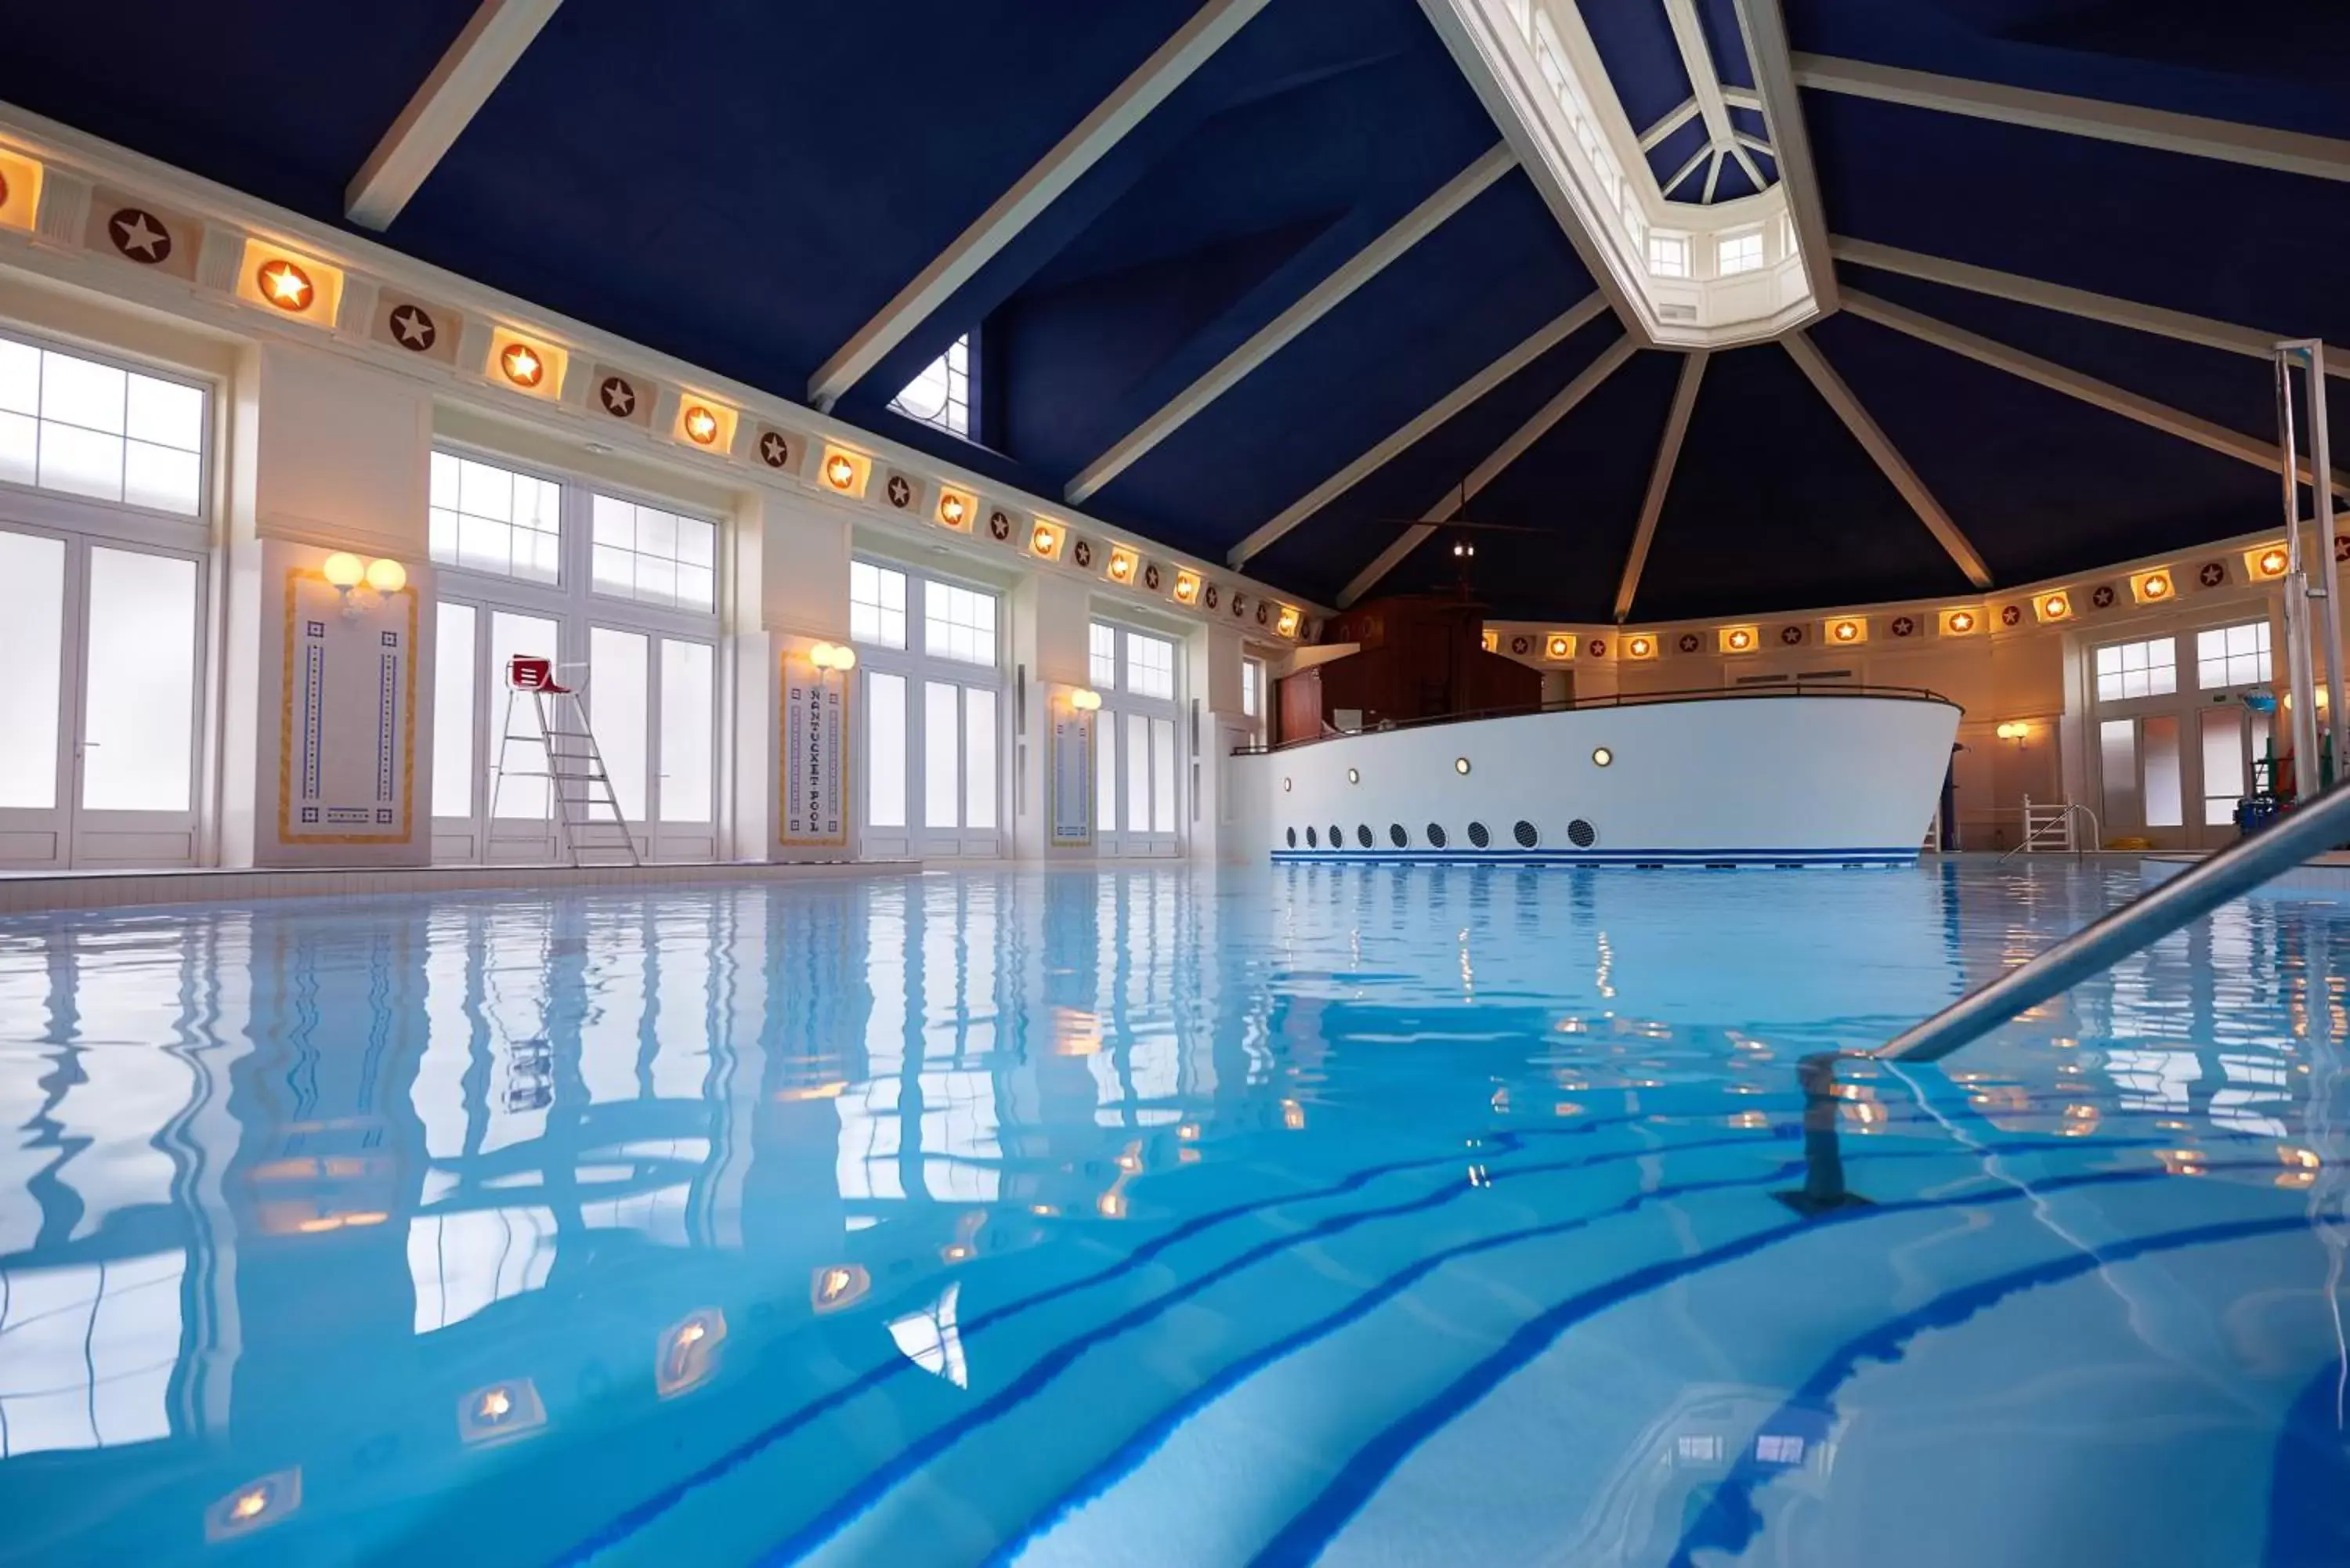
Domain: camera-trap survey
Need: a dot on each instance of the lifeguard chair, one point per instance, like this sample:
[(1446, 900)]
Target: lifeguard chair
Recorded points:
[(585, 812)]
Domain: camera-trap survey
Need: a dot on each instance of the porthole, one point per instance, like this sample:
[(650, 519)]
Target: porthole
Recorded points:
[(1293, 838), (1525, 835), (1397, 837), (1363, 835), (1313, 841), (1337, 837), (1601, 757), (1285, 786), (1353, 775), (1460, 765), (1581, 834), (1477, 836), (1436, 834)]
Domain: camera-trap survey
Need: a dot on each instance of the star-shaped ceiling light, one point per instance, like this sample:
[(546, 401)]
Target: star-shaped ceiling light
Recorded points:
[(522, 365), (840, 470), (952, 509), (285, 286), (701, 425), (1187, 588)]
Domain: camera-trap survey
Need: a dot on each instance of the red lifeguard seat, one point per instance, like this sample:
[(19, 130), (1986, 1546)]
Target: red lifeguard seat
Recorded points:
[(528, 672)]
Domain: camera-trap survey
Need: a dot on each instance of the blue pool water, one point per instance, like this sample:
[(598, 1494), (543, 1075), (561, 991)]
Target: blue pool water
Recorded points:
[(1359, 1216)]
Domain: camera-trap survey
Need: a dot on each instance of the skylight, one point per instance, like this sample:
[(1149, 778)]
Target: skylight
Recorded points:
[(940, 395)]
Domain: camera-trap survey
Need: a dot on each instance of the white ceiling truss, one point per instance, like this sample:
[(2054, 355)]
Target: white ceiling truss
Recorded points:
[(469, 70), (1660, 481)]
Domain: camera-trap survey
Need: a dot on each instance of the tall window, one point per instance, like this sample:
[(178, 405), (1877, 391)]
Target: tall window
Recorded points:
[(489, 519), (1668, 254), (83, 427), (2232, 656), (1737, 254), (958, 623), (1103, 651), (1252, 688), (2128, 670), (877, 605), (655, 556), (940, 395)]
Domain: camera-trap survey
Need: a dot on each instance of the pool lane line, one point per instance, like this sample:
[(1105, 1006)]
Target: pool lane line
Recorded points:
[(1315, 1526), (644, 1512), (1135, 1451), (1730, 1521), (878, 1482), (617, 1529)]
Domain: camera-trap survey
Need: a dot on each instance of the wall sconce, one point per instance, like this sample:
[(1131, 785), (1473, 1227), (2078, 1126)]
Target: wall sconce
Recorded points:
[(346, 572), (1558, 645), (1084, 700), (833, 656), (2014, 729), (2052, 608), (955, 508), (1122, 563), (1740, 639), (1640, 646), (2152, 587), (842, 472), (2267, 563), (1961, 623), (1045, 541), (1187, 588), (701, 425), (1287, 623), (1849, 630)]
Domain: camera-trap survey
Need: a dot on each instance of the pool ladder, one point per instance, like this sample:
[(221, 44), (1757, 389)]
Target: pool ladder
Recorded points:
[(2322, 822)]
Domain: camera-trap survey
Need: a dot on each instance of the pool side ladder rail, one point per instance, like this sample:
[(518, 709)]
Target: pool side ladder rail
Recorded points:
[(2295, 838)]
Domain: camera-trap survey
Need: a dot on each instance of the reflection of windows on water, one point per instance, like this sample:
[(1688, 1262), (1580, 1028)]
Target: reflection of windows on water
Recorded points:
[(87, 1354), (1772, 1448), (958, 1136), (460, 1263)]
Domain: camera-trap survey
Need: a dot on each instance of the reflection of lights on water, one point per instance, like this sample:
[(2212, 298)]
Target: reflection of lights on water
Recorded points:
[(2182, 1161), (1129, 1161), (1750, 1120), (1293, 1116), (837, 1285), (1501, 1102), (831, 1091), (1110, 1206), (689, 1351), (1189, 1132), (1566, 1108), (494, 1405), (249, 1503), (1043, 1210), (2079, 1121), (255, 1505), (1480, 1176)]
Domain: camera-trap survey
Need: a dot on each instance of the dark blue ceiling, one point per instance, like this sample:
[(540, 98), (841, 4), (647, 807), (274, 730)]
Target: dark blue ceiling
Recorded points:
[(744, 185)]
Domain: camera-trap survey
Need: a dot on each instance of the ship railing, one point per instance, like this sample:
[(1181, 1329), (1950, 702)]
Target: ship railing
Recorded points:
[(1795, 688)]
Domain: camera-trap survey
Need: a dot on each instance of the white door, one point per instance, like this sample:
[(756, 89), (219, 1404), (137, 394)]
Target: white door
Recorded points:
[(958, 770), (101, 646), (1135, 769)]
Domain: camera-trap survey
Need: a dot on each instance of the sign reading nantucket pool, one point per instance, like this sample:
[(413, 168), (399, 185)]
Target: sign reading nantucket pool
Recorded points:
[(1073, 778), (812, 795)]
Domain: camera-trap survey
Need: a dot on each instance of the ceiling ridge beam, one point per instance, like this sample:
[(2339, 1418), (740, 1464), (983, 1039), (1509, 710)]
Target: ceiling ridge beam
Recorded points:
[(1557, 330), (1520, 440), (2058, 378), (1670, 123), (2200, 330), (1887, 456), (2197, 136), (1764, 27), (1268, 340), (1660, 480), (1149, 85), (468, 71), (1696, 60)]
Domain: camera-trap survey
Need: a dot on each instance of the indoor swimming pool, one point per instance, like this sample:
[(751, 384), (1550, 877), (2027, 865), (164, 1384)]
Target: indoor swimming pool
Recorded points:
[(1168, 1219)]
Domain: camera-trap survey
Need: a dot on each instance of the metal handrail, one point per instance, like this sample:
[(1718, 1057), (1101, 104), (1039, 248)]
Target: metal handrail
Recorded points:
[(2031, 834), (2154, 914), (1618, 699)]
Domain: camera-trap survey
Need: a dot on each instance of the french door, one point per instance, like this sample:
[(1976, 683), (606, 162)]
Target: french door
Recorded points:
[(1134, 768), (934, 764), (653, 702), (101, 672)]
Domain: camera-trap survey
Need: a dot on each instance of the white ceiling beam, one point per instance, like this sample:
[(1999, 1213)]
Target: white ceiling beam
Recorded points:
[(1764, 29), (1713, 176), (1756, 143), (1151, 83), (1660, 481), (2179, 325), (2292, 152), (1688, 169), (1550, 336), (1406, 232), (1746, 161), (1670, 123), (469, 71), (1742, 97), (2086, 389), (1705, 79), (1610, 358), (1887, 456)]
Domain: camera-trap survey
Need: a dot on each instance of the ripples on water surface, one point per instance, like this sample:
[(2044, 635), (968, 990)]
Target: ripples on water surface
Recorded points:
[(1362, 1216)]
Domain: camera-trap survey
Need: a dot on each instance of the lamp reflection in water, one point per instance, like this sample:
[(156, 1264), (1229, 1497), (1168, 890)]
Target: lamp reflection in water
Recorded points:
[(501, 1412), (255, 1505), (689, 1352)]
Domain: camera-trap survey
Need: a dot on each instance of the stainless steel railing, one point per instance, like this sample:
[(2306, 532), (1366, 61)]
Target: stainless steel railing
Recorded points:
[(2154, 914)]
